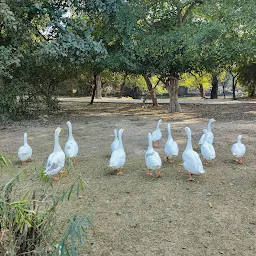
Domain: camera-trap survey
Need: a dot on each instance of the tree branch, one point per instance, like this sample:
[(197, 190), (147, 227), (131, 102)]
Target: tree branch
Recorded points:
[(154, 24), (190, 7), (157, 83), (41, 35), (163, 81)]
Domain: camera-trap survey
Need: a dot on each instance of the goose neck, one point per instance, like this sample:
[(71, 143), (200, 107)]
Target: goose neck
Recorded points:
[(189, 142), (56, 143), (25, 139), (150, 143), (70, 136), (209, 127), (169, 133), (120, 145)]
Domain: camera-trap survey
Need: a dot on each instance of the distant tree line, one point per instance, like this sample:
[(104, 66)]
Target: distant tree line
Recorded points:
[(45, 43)]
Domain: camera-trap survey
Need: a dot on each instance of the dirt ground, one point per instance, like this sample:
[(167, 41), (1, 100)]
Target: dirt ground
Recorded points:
[(140, 215)]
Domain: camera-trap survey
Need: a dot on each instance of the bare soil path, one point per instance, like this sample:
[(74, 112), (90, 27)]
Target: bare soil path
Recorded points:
[(137, 215)]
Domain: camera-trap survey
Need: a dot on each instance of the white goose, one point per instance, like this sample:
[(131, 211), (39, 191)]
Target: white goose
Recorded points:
[(117, 159), (71, 147), (152, 158), (115, 143), (207, 149), (210, 136), (157, 134), (238, 149), (25, 151), (171, 147), (191, 160), (56, 159)]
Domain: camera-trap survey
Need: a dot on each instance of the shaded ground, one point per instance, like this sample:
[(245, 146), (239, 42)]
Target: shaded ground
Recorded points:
[(140, 215)]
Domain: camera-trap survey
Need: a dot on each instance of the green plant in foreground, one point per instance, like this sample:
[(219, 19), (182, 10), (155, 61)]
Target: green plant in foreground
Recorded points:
[(28, 222), (3, 161)]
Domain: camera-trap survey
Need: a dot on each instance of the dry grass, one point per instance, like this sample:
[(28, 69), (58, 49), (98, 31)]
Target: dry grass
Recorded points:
[(140, 215)]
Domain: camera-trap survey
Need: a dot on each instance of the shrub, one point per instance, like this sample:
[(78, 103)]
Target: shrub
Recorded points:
[(28, 221)]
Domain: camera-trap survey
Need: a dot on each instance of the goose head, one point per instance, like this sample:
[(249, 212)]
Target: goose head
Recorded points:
[(239, 137), (120, 133), (57, 131), (159, 123), (212, 120), (188, 131), (115, 133)]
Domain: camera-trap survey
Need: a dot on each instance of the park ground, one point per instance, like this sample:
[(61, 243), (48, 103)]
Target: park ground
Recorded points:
[(138, 215)]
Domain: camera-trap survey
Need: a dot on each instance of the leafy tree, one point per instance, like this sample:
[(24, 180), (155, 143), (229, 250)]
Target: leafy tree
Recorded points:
[(151, 38), (54, 36), (200, 81), (247, 77), (232, 46)]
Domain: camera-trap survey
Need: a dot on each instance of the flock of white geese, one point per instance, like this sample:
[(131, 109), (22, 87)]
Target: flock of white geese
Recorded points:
[(191, 159)]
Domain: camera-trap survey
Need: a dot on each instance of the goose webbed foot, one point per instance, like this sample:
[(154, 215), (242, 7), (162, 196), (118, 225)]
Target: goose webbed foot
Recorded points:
[(190, 176), (156, 144), (205, 162), (158, 173), (26, 162), (149, 173), (240, 161), (170, 160), (120, 171), (55, 178), (73, 160)]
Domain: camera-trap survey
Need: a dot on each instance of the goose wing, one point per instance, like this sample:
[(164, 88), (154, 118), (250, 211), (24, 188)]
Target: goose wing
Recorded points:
[(71, 148), (192, 162), (114, 145), (24, 153), (201, 139), (153, 160), (171, 148), (117, 158), (55, 163)]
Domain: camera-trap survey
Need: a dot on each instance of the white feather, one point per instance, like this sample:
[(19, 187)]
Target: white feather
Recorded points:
[(171, 147), (25, 151), (238, 149), (210, 136), (71, 146), (191, 160), (115, 143), (152, 158), (56, 160), (207, 149), (157, 134), (117, 159)]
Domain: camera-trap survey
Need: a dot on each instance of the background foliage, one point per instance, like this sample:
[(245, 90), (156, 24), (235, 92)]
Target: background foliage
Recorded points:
[(44, 43)]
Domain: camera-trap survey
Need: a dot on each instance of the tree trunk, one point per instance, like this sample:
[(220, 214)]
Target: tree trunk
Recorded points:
[(173, 87), (123, 86), (234, 86), (151, 90), (214, 91), (98, 94), (233, 82), (94, 88), (223, 90), (201, 90)]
